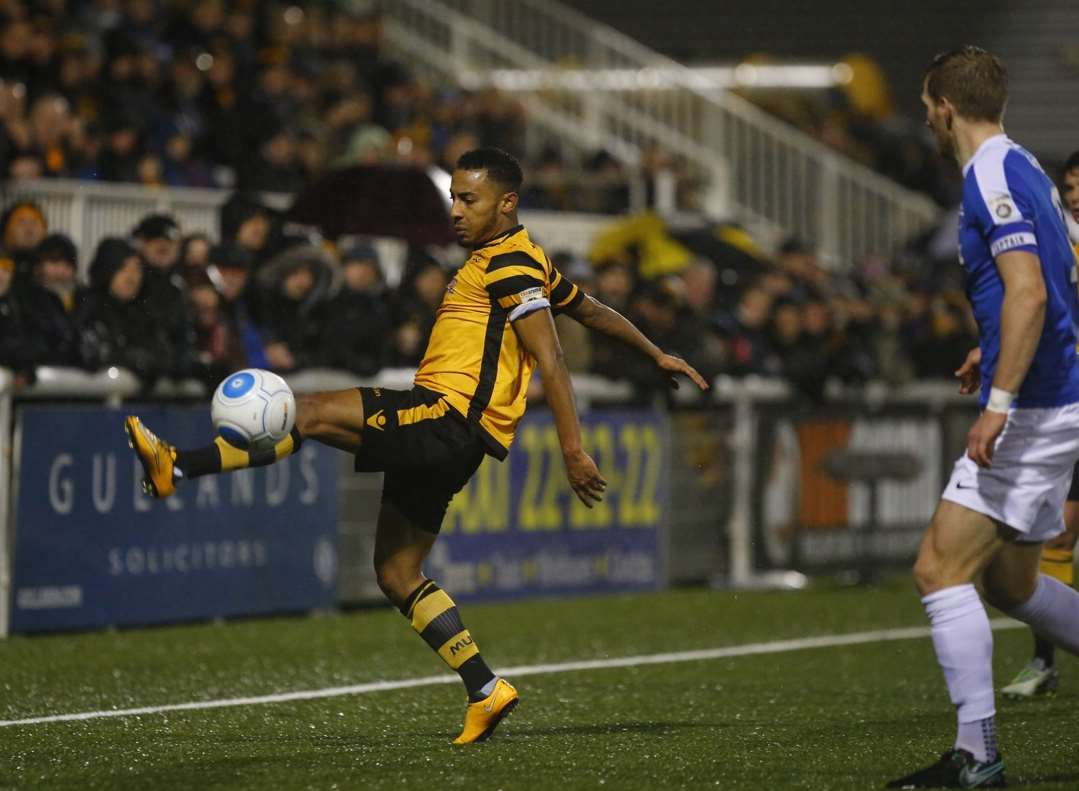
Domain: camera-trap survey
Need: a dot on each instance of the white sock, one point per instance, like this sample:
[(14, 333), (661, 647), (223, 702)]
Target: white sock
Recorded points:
[(979, 739), (489, 687), (1052, 612), (964, 645)]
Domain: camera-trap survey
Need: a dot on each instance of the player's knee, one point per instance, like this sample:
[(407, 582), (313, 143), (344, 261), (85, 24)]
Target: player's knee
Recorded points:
[(927, 573), (395, 582), (388, 580)]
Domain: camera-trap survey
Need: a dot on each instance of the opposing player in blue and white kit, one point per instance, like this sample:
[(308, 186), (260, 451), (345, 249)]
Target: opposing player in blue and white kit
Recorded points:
[(1006, 493), (1040, 676)]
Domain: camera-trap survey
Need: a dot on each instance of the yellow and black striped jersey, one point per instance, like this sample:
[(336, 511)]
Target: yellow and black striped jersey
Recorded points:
[(474, 357)]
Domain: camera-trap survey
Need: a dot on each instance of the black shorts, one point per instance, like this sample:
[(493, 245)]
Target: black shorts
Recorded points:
[(426, 448), (1073, 492)]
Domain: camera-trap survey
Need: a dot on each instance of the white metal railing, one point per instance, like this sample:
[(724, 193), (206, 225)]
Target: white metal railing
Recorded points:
[(88, 211), (768, 174)]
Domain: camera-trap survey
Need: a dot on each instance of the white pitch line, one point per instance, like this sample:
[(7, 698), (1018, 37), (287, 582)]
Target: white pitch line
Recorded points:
[(749, 649)]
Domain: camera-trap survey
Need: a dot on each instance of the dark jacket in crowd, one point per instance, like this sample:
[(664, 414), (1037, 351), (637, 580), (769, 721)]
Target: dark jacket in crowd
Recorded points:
[(289, 320), (118, 332), (806, 363), (162, 297), (355, 326), (20, 348), (749, 350), (54, 334)]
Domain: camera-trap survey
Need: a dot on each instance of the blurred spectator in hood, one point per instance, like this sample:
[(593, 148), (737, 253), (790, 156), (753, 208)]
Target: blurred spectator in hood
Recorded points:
[(114, 326), (247, 223), (293, 284), (355, 323), (56, 268), (49, 300)]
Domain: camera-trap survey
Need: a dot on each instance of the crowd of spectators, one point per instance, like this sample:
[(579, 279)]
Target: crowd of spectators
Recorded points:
[(265, 96), (729, 308), (244, 95), (163, 303), (268, 95), (255, 95)]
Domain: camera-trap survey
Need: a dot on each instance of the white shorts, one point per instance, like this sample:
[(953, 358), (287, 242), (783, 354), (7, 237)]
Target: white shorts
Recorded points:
[(1032, 470)]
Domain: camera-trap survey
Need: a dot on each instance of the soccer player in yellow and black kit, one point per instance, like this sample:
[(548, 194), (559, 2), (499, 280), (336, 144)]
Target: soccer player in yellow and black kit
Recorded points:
[(493, 329), (1040, 675)]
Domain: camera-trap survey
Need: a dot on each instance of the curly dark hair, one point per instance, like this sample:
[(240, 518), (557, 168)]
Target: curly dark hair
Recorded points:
[(501, 167)]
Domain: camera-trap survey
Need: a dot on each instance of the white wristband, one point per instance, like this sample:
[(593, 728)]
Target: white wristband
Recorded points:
[(1000, 400)]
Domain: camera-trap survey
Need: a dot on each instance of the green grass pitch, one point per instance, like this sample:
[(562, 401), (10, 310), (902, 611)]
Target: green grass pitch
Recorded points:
[(824, 718)]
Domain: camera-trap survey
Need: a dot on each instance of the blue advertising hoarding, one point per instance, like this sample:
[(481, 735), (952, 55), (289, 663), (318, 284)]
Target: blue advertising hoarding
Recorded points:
[(91, 549), (518, 530)]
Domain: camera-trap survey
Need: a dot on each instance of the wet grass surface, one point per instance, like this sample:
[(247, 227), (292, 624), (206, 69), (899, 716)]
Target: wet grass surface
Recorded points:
[(824, 718)]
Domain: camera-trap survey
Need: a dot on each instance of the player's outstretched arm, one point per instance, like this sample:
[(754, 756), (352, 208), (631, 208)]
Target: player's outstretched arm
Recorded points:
[(599, 317), (539, 338), (1022, 317)]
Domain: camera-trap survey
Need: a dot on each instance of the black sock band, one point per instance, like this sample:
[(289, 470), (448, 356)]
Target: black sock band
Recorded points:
[(297, 438), (426, 588), (476, 675), (208, 460), (198, 462)]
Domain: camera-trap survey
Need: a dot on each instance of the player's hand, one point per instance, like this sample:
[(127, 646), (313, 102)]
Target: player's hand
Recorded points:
[(584, 477), (676, 365), (983, 437), (969, 373)]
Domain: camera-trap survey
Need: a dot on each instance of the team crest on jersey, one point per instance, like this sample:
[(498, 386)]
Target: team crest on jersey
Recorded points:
[(1002, 206)]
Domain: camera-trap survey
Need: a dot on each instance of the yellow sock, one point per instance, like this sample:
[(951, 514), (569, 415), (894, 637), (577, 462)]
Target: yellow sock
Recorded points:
[(223, 457), (1059, 564), (235, 459), (434, 617)]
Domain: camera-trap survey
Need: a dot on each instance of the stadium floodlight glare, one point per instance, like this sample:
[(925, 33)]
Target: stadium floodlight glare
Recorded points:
[(790, 76)]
